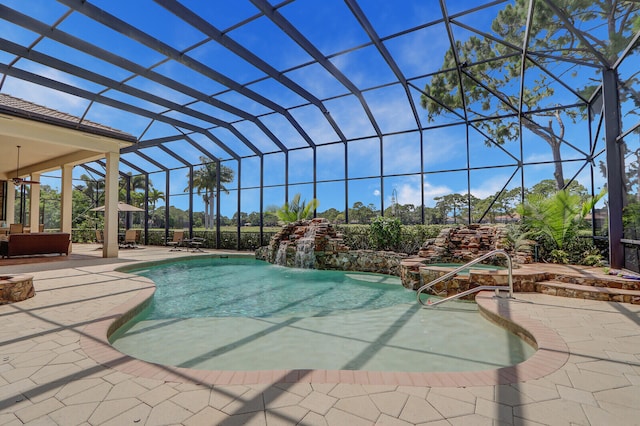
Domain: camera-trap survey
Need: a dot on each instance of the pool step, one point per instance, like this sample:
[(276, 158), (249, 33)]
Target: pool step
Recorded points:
[(590, 292)]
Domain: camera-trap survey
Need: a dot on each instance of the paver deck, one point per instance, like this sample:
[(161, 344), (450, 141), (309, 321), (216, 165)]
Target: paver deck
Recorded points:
[(55, 367)]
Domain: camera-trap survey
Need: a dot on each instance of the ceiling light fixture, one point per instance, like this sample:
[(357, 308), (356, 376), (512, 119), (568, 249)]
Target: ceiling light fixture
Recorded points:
[(17, 181)]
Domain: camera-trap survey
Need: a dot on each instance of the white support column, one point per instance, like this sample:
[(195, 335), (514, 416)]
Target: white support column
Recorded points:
[(110, 246), (34, 204), (11, 203), (66, 199)]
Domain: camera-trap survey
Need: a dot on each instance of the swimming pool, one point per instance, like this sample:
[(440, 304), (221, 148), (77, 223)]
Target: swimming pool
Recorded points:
[(243, 314)]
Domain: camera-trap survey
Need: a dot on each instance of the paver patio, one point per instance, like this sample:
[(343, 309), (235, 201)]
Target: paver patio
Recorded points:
[(54, 368)]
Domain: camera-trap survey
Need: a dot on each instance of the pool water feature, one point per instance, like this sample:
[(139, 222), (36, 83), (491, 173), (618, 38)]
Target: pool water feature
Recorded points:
[(242, 314)]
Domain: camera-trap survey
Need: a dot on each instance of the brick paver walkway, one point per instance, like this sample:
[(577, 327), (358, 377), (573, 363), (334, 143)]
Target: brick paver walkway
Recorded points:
[(56, 370)]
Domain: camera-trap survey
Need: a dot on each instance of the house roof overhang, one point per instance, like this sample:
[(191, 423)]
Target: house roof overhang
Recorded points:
[(49, 139)]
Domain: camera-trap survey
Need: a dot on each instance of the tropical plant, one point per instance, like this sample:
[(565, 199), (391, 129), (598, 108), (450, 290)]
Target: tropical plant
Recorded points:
[(514, 238), (557, 217), (205, 182), (294, 210)]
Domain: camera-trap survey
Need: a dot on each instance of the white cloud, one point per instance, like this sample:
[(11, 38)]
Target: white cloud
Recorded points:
[(46, 97), (444, 145), (409, 193), (343, 62), (488, 187), (391, 109), (538, 157), (317, 80), (348, 113), (430, 192), (376, 192), (411, 53)]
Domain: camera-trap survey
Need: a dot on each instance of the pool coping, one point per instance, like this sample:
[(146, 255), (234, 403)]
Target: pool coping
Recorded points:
[(551, 354)]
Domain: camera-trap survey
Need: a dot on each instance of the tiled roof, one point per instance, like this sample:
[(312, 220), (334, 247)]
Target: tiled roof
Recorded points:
[(20, 108)]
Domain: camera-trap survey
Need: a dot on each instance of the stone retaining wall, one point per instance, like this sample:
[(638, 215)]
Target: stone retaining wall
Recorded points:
[(380, 262)]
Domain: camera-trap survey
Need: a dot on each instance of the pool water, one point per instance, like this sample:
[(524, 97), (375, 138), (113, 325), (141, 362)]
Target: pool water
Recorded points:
[(465, 271), (232, 287), (243, 314)]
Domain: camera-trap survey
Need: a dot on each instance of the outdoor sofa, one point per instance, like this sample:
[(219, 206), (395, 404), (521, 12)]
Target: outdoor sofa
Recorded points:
[(35, 243)]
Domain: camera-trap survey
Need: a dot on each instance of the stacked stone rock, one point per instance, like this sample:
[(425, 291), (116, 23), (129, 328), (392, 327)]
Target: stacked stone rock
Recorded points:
[(452, 245), (15, 288), (467, 243), (330, 250), (326, 238), (461, 245)]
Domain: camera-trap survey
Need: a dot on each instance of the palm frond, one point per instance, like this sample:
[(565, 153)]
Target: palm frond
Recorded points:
[(558, 216)]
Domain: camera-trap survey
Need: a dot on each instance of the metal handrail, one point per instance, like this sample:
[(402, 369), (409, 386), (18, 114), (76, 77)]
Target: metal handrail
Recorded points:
[(431, 304), (451, 274)]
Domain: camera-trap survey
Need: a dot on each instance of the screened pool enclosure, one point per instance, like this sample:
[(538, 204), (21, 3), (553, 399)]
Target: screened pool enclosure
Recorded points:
[(432, 111)]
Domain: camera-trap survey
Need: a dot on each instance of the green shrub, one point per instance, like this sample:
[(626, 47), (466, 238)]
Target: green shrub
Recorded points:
[(559, 256), (592, 259), (631, 218), (385, 233), (356, 237), (412, 237)]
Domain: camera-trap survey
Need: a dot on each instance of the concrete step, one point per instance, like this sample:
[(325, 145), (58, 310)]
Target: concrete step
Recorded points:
[(611, 281), (578, 291)]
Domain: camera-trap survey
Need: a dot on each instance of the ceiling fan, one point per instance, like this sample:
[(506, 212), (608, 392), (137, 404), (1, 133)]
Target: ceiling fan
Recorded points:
[(17, 181)]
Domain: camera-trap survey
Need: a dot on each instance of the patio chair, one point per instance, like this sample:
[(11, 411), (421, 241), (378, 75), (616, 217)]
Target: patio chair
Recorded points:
[(16, 228), (131, 238), (99, 236), (177, 241), (195, 244)]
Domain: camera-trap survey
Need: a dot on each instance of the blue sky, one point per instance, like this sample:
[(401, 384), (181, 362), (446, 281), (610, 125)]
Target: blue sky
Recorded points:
[(334, 32)]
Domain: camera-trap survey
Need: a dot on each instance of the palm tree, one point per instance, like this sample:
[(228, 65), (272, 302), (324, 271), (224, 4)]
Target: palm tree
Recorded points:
[(293, 211), (138, 182), (91, 189), (137, 185), (205, 181), (154, 196)]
